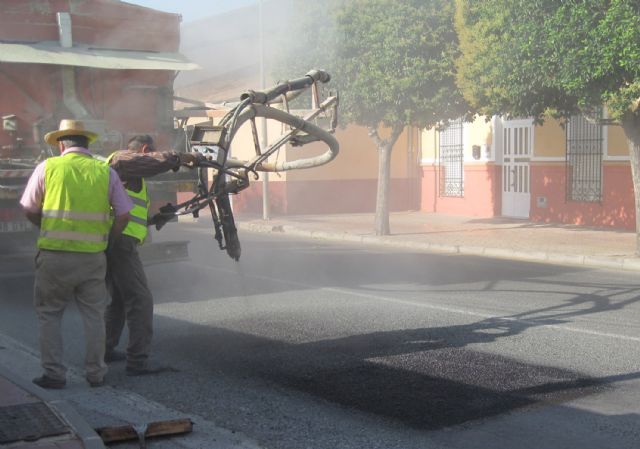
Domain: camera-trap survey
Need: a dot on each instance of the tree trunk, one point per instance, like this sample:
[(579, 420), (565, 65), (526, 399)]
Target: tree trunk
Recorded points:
[(631, 126), (384, 176), (382, 197)]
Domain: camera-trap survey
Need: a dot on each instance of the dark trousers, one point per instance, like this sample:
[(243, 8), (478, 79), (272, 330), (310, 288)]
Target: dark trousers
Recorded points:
[(131, 301)]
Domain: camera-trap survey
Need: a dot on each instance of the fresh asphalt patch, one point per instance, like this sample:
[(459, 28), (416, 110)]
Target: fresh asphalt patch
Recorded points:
[(431, 389), (426, 378)]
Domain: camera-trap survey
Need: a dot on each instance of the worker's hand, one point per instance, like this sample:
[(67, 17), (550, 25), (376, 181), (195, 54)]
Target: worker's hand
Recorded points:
[(158, 220), (190, 160)]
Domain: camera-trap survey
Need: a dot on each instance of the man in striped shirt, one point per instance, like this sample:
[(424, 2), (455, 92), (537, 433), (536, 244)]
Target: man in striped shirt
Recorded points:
[(131, 299)]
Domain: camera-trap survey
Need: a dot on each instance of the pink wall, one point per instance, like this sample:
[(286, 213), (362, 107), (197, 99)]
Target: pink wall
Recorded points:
[(482, 196), (249, 201), (326, 196), (33, 92), (481, 192), (616, 209)]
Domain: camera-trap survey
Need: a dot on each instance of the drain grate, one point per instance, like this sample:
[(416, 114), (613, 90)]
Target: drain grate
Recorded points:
[(29, 422)]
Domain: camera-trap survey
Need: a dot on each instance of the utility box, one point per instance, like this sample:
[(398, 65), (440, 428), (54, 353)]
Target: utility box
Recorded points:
[(208, 140), (541, 202)]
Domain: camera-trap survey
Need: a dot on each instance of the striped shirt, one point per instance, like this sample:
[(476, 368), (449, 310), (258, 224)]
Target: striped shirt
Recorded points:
[(132, 166)]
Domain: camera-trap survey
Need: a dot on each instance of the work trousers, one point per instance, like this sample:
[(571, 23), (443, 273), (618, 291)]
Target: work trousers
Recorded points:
[(60, 277), (131, 301)]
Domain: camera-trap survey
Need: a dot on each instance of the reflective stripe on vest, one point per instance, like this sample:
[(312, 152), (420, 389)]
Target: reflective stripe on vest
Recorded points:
[(96, 216), (75, 236), (75, 215), (138, 201)]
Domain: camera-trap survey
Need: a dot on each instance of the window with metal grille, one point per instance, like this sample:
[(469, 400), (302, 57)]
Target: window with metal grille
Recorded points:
[(584, 159), (451, 160)]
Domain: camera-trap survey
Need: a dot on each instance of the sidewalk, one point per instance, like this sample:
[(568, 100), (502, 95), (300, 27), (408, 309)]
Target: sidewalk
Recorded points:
[(31, 418), (491, 237)]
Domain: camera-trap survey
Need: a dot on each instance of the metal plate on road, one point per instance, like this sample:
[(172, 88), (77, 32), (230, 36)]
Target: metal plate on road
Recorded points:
[(29, 422)]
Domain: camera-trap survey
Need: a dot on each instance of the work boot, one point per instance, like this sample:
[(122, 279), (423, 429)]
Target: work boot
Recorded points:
[(148, 368), (96, 383), (47, 382), (114, 356)]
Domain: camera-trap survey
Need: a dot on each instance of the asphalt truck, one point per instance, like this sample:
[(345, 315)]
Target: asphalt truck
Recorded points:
[(106, 62), (112, 65)]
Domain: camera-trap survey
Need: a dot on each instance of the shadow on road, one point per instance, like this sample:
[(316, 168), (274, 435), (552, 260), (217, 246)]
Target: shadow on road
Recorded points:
[(427, 378)]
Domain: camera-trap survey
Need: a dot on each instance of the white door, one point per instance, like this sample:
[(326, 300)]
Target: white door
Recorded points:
[(517, 144)]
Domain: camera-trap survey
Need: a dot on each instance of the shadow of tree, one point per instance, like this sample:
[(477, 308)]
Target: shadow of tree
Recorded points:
[(426, 377)]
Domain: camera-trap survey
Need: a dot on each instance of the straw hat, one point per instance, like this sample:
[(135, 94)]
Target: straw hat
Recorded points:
[(69, 127)]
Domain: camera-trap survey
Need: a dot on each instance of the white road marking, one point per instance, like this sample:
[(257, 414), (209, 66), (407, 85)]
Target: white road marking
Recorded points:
[(420, 304)]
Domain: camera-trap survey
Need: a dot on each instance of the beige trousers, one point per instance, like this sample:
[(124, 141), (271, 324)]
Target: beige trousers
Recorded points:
[(62, 277)]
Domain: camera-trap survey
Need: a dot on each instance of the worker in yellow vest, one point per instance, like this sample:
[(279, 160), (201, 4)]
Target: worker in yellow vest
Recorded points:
[(70, 198), (131, 299)]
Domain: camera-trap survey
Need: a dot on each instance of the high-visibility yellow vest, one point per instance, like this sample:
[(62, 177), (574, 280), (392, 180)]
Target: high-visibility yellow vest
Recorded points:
[(76, 209), (137, 226)]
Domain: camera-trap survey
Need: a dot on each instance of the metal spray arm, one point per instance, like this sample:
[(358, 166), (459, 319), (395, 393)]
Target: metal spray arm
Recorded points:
[(230, 176)]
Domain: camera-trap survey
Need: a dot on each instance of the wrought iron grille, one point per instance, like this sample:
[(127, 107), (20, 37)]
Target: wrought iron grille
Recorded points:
[(451, 160), (584, 159)]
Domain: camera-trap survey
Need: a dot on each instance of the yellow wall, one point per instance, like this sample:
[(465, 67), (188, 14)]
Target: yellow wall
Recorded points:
[(243, 147), (617, 141), (429, 142), (479, 132), (549, 139), (358, 157)]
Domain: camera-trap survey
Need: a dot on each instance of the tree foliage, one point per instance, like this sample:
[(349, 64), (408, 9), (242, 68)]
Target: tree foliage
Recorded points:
[(604, 64), (527, 58), (395, 62), (392, 62)]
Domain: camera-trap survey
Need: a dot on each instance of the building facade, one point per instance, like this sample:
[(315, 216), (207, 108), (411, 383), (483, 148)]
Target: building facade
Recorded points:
[(575, 172), (347, 184)]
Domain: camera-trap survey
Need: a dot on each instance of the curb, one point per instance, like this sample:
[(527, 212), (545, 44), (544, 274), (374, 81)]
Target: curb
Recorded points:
[(81, 430), (84, 432), (603, 262), (114, 406)]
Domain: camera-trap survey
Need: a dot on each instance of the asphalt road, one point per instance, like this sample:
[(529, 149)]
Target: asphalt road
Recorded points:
[(308, 344)]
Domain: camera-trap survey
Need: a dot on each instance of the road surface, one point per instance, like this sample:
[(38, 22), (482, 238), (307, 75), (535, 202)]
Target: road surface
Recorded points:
[(309, 344)]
